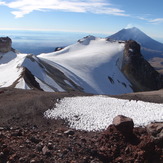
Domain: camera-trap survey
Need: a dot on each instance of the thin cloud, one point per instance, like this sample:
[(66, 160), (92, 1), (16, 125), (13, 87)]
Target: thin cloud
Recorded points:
[(153, 21), (156, 21), (23, 7), (2, 3)]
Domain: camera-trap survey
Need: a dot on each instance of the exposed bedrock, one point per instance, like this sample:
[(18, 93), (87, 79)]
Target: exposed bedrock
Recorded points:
[(5, 44), (138, 71)]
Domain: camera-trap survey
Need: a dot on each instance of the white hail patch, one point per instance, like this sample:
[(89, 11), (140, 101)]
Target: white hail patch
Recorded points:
[(97, 112)]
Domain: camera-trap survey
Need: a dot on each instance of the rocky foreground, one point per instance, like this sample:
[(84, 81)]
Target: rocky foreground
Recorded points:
[(27, 137), (119, 143)]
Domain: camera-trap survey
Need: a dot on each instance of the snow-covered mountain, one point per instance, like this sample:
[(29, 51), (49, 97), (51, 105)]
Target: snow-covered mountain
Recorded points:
[(92, 65), (150, 47)]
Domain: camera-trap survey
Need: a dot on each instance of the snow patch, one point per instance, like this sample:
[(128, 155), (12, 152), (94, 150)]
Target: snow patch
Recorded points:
[(97, 112), (22, 84), (10, 70), (67, 82), (44, 86), (7, 57), (131, 50)]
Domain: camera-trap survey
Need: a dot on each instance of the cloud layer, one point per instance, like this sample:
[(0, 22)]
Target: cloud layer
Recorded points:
[(23, 7)]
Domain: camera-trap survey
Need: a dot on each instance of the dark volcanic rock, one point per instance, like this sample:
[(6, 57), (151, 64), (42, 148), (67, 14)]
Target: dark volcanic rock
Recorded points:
[(58, 49), (5, 44), (123, 124), (30, 79), (138, 71)]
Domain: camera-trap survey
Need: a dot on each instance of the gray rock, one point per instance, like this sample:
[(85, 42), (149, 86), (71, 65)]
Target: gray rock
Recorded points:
[(46, 151), (69, 132), (21, 159), (39, 147), (32, 161), (156, 131)]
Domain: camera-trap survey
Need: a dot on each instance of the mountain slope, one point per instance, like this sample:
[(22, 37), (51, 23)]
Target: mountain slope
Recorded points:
[(25, 71)]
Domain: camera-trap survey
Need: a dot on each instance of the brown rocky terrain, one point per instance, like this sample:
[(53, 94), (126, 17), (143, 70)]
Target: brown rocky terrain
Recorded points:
[(62, 145), (26, 136)]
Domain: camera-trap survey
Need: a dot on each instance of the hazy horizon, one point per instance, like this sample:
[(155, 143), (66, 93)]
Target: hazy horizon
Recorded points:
[(36, 42)]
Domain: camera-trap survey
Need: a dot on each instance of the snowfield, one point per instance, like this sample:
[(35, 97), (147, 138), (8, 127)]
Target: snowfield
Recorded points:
[(93, 64), (93, 113)]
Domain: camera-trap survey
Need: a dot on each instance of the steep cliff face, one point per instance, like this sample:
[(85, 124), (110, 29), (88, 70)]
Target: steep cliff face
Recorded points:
[(138, 71), (5, 44)]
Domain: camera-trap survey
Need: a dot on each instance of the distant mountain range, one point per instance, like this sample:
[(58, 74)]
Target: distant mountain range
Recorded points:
[(92, 65)]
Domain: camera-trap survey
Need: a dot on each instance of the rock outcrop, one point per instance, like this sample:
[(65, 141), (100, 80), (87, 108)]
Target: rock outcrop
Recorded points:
[(5, 44), (138, 71), (58, 49)]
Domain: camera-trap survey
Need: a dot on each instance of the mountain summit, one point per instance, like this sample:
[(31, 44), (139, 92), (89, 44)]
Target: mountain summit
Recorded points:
[(136, 34)]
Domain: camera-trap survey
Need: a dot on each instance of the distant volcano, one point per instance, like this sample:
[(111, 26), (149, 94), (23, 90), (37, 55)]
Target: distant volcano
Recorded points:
[(139, 36)]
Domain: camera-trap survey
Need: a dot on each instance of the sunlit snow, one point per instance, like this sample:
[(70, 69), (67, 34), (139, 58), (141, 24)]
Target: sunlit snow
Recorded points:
[(93, 64), (10, 68), (97, 112), (22, 84)]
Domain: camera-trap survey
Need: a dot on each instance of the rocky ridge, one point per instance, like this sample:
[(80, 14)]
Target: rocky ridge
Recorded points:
[(138, 71)]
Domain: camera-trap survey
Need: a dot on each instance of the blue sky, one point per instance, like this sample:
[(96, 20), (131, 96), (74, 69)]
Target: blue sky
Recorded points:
[(90, 16)]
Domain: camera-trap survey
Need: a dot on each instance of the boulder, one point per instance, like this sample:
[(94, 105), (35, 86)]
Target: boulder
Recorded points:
[(124, 124), (5, 44), (156, 131)]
